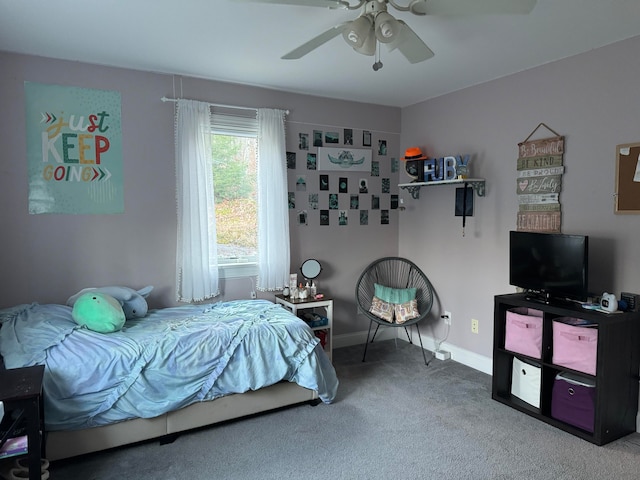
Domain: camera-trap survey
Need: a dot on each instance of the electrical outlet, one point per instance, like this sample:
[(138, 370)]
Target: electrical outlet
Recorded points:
[(253, 295), (474, 325), (447, 317)]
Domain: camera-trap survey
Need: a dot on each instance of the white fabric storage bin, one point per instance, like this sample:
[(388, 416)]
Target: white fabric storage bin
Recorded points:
[(525, 382)]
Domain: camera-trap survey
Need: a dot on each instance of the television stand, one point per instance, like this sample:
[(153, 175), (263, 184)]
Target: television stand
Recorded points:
[(615, 403)]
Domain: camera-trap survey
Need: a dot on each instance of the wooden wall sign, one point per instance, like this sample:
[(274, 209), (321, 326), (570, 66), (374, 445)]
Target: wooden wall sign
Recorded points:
[(539, 182), (628, 178)]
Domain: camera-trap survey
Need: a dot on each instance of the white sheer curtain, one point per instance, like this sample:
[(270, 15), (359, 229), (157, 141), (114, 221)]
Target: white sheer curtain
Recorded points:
[(273, 209), (197, 250)]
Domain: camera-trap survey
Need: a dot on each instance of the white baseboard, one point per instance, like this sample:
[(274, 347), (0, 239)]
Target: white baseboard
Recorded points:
[(460, 355)]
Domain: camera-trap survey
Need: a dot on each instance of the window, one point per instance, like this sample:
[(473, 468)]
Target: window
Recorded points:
[(234, 150), (197, 271)]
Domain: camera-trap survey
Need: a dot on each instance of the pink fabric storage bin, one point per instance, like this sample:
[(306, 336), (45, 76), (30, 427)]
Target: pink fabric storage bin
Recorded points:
[(575, 346), (523, 331)]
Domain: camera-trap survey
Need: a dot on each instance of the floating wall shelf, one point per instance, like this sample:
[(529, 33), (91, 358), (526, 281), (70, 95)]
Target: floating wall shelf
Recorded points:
[(414, 187)]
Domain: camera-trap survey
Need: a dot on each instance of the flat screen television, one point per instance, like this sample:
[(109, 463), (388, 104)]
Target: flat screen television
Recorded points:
[(550, 266)]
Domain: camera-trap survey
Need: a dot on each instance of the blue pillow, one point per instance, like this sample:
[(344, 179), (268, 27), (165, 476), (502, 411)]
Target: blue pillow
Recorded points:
[(394, 295)]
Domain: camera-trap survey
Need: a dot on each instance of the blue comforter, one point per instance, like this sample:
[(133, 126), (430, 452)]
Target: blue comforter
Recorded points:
[(167, 360)]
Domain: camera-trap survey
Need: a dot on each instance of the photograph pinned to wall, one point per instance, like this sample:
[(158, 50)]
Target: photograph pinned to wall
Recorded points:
[(324, 217), (343, 218), (312, 163), (363, 185), (74, 150), (343, 185), (324, 182), (292, 200), (291, 160), (366, 138), (302, 217), (395, 165), (386, 185), (344, 159), (331, 137), (375, 168), (317, 138), (333, 201), (394, 202), (384, 217), (303, 141), (313, 201), (348, 136), (375, 202), (382, 147), (364, 217), (301, 183), (354, 202)]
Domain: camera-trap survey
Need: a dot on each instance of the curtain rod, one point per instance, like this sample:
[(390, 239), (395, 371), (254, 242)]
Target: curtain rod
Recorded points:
[(165, 99)]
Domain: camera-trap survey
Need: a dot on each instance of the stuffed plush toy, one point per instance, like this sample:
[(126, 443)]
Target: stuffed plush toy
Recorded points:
[(132, 301), (98, 312)]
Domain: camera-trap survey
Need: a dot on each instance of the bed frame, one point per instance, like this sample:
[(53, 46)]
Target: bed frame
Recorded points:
[(65, 444)]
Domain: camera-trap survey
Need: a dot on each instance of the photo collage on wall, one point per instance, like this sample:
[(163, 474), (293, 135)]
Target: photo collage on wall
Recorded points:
[(341, 177)]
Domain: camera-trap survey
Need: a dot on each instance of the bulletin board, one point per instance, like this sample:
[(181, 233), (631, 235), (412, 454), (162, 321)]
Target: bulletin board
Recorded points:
[(628, 178)]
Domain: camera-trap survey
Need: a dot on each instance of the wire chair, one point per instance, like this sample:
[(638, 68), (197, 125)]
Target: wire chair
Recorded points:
[(394, 272)]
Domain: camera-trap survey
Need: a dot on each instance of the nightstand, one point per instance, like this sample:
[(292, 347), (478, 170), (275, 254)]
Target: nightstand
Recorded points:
[(310, 303), (21, 394)]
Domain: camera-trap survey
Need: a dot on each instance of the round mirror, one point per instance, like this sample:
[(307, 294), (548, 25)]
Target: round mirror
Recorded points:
[(311, 268)]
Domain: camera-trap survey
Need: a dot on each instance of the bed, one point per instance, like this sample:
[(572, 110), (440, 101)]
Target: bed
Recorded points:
[(173, 370)]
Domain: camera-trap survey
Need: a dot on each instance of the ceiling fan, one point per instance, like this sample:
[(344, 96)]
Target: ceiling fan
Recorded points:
[(376, 25)]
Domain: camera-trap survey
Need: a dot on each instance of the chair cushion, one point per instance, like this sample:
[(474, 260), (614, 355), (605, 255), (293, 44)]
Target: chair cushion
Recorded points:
[(394, 295), (406, 311), (382, 309)]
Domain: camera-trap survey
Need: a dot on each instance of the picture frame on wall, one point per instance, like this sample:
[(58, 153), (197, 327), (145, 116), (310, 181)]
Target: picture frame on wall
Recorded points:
[(366, 138), (344, 159)]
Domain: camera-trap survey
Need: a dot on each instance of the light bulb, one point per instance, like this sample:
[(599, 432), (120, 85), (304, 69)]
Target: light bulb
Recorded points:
[(386, 30)]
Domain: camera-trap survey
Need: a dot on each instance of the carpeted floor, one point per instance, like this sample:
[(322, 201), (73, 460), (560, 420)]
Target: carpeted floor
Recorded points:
[(394, 418)]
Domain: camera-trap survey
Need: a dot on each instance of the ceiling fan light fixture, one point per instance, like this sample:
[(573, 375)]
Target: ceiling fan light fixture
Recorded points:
[(418, 7), (369, 46), (387, 27), (357, 32)]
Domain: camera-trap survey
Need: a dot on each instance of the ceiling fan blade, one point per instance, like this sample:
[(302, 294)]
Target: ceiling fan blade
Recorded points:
[(314, 43), (304, 3), (410, 45), (472, 7)]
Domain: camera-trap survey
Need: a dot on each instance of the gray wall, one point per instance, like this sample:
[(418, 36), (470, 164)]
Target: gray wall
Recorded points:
[(593, 100), (47, 258)]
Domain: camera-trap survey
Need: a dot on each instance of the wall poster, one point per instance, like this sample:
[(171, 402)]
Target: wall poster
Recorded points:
[(345, 159), (74, 150), (539, 182)]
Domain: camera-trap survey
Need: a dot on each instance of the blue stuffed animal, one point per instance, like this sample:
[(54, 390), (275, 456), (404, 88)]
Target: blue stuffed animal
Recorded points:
[(134, 303)]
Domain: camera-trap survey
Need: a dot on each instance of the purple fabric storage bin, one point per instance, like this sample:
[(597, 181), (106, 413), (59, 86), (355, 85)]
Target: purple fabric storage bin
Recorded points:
[(573, 401), (523, 331), (575, 346)]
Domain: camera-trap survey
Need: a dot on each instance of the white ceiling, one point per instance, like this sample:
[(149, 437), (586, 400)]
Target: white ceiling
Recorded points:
[(243, 42)]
